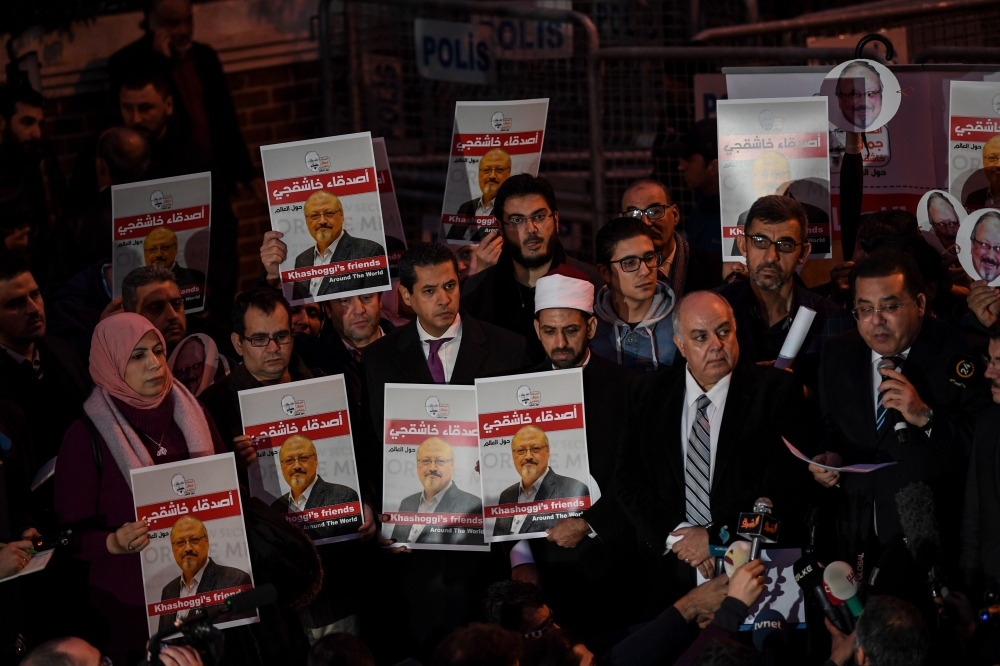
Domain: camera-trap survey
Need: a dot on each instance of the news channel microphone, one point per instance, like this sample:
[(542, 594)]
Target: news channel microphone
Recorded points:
[(770, 636), (843, 584), (719, 553), (918, 518), (966, 370), (899, 424), (809, 577), (759, 527)]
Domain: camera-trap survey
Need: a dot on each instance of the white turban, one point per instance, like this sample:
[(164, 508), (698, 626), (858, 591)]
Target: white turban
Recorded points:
[(560, 291)]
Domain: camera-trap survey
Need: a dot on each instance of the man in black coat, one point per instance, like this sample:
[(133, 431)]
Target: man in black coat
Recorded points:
[(702, 441), (74, 307), (885, 398)]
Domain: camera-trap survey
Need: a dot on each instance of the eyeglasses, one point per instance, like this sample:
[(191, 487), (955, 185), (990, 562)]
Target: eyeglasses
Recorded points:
[(263, 339), (654, 212), (326, 215), (991, 159), (440, 462), (865, 314), (763, 242), (489, 171), (947, 224), (546, 625), (302, 460), (858, 95), (194, 541), (985, 247), (536, 219), (631, 264), (535, 450)]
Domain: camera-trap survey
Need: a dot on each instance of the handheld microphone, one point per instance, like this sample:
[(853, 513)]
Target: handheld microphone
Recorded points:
[(917, 517), (759, 527), (719, 553), (899, 424), (809, 576), (770, 636), (966, 370), (843, 584)]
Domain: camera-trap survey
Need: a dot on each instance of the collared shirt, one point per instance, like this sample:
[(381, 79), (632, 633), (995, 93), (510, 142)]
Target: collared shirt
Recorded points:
[(189, 590), (300, 506), (427, 507), (668, 262), (448, 352), (525, 496), (36, 360), (322, 260), (877, 377), (486, 209)]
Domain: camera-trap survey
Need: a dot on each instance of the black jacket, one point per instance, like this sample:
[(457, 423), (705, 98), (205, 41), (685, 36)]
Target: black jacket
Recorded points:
[(215, 578), (324, 494), (554, 486), (73, 309), (348, 248), (454, 500), (981, 513)]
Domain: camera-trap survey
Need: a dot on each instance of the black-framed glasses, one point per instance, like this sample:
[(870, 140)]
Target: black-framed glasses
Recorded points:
[(891, 310), (985, 247), (654, 212), (947, 224), (763, 242), (263, 339), (547, 625), (302, 460), (440, 462), (535, 219), (326, 215), (653, 260)]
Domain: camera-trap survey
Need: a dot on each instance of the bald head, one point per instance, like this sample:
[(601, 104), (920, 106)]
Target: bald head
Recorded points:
[(69, 651), (435, 465), (160, 248), (122, 156), (324, 218), (705, 334)]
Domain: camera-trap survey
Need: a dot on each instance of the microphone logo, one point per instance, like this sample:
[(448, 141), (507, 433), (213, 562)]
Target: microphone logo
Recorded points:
[(965, 369)]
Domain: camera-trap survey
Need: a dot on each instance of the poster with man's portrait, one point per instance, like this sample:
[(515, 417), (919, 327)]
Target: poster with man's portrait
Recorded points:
[(323, 196), (864, 95), (164, 222), (774, 147), (974, 144), (305, 467), (979, 245), (197, 555), (939, 214), (491, 142), (532, 452), (431, 489)]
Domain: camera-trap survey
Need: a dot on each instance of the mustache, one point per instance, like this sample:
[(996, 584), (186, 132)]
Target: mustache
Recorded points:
[(299, 470), (529, 461), (990, 261), (190, 552), (433, 472)]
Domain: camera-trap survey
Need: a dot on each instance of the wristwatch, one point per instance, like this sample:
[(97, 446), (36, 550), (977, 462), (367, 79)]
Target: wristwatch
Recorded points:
[(929, 413)]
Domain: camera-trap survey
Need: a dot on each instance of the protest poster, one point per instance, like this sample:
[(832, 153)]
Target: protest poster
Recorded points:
[(774, 146), (491, 142), (196, 535), (305, 465), (164, 222), (781, 592), (979, 245), (430, 483), (323, 197), (938, 215), (974, 144), (864, 95), (532, 452)]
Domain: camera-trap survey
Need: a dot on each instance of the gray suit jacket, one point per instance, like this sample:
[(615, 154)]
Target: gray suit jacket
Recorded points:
[(472, 234), (454, 500), (348, 248), (324, 494), (554, 486), (216, 577)]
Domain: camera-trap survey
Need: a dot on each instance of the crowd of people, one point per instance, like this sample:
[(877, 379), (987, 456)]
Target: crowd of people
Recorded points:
[(687, 417)]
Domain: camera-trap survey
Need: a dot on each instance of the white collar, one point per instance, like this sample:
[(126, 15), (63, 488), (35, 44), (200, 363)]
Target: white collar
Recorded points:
[(876, 357), (715, 394), (452, 331), (196, 579), (437, 497)]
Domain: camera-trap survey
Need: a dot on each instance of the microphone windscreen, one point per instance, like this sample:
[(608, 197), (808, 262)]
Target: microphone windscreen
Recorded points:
[(808, 574), (244, 602), (768, 629), (737, 555), (915, 504), (840, 580)]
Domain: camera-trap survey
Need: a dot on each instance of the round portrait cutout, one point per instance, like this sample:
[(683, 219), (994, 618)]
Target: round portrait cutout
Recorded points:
[(864, 95), (939, 214), (979, 245)]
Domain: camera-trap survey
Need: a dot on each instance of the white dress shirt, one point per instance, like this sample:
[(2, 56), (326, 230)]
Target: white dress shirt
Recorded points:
[(190, 590), (525, 496), (448, 353), (427, 507), (300, 506), (323, 260), (484, 209)]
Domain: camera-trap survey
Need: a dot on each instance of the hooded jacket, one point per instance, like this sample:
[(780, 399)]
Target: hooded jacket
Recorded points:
[(650, 346)]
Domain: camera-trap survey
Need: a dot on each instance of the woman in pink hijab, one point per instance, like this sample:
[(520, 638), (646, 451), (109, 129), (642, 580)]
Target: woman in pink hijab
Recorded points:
[(136, 416)]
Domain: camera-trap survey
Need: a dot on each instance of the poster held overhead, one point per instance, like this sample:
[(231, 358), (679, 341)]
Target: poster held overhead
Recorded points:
[(979, 245), (164, 222), (938, 215), (323, 197), (974, 144), (864, 95)]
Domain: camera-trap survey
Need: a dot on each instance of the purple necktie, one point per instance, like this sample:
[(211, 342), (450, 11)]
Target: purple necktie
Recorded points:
[(434, 361)]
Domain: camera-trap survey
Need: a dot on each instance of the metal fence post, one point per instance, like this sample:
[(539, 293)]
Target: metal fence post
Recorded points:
[(325, 75)]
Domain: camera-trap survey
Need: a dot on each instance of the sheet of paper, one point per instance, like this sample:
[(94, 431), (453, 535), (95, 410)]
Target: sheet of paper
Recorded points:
[(861, 467), (37, 563)]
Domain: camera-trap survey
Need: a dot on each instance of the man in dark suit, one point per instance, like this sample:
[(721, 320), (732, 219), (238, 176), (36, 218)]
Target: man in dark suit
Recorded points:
[(885, 398), (435, 469), (701, 441), (325, 219), (199, 574)]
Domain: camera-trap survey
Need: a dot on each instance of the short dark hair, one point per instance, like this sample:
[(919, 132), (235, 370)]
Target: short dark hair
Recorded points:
[(12, 264), (264, 299), (422, 255), (127, 160), (523, 185), (141, 75), (505, 601), (652, 182), (728, 652), (340, 649), (891, 632), (775, 209), (140, 277), (886, 226), (12, 93), (49, 653), (478, 645), (618, 230), (889, 261)]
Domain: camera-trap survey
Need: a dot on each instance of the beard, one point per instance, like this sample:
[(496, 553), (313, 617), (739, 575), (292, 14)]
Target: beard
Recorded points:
[(769, 284), (570, 362), (537, 261)]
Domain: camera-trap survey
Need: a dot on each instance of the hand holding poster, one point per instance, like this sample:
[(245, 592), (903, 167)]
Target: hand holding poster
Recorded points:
[(938, 215), (198, 555), (491, 142), (533, 452), (974, 144), (164, 223), (431, 487), (323, 197), (774, 146), (305, 464), (979, 245)]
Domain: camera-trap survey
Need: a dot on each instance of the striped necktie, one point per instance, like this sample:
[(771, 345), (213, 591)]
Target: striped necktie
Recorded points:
[(698, 469), (880, 409)]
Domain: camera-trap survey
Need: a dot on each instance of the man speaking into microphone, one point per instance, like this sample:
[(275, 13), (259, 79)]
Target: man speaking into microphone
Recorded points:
[(885, 398)]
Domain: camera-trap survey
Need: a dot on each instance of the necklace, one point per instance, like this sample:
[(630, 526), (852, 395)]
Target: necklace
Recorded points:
[(160, 449)]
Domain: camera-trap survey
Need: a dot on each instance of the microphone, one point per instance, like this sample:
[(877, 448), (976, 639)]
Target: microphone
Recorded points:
[(966, 370), (759, 527), (917, 517), (843, 585), (809, 576), (899, 424), (770, 636)]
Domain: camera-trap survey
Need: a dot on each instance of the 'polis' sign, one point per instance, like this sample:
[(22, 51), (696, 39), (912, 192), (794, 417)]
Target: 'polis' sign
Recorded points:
[(460, 52)]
